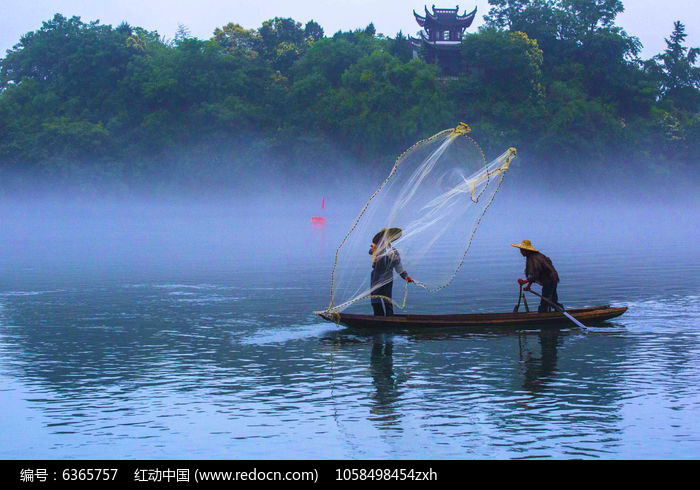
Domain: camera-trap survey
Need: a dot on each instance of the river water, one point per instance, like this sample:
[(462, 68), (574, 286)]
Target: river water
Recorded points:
[(198, 360)]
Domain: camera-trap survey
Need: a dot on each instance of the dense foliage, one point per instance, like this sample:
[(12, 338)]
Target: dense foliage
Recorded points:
[(556, 78)]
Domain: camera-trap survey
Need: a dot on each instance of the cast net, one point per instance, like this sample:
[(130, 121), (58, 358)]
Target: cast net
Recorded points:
[(429, 208)]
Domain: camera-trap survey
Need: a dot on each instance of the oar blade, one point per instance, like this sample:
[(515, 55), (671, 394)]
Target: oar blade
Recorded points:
[(560, 309), (574, 320)]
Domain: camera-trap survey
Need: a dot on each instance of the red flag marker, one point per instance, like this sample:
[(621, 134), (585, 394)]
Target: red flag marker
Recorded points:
[(319, 220)]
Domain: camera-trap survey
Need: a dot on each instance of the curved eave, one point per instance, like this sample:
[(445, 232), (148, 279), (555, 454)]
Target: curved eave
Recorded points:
[(467, 19), (419, 19)]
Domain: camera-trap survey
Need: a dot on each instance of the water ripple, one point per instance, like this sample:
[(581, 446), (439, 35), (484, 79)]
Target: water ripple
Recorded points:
[(211, 370)]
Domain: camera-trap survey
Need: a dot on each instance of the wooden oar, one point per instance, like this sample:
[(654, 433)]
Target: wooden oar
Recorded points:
[(527, 308), (517, 307), (560, 310)]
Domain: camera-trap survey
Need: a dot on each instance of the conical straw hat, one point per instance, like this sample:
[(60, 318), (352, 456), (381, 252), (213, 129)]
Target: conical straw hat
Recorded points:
[(525, 245), (390, 233)]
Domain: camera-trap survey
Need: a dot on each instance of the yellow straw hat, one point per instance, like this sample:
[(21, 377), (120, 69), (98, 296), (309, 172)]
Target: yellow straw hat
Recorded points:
[(391, 234), (525, 245)]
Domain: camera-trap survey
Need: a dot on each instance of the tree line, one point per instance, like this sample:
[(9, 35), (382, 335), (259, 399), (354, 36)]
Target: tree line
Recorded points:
[(555, 78)]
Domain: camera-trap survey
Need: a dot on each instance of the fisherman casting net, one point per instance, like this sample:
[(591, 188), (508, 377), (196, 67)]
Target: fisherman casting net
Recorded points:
[(425, 213)]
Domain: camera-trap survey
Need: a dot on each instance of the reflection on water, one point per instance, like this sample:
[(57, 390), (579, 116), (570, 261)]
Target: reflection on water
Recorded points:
[(385, 383), (538, 370), (237, 367)]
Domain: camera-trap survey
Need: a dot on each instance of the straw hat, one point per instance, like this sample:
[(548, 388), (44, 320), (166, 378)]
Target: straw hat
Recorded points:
[(391, 234), (525, 245)]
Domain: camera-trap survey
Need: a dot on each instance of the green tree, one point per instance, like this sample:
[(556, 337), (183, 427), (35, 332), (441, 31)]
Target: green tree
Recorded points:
[(680, 78), (401, 47), (282, 42), (383, 103), (557, 78), (560, 25), (313, 31), (502, 86), (584, 17), (370, 30), (329, 58), (64, 80), (531, 16), (240, 41), (182, 33)]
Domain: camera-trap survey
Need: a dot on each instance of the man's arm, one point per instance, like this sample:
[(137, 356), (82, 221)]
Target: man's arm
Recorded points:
[(399, 268), (534, 272)]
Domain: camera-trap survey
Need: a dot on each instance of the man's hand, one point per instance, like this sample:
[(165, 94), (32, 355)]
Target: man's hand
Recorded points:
[(408, 279), (527, 288), (522, 282)]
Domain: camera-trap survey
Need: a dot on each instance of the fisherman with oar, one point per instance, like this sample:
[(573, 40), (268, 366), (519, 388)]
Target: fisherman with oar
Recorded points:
[(539, 269), (385, 259)]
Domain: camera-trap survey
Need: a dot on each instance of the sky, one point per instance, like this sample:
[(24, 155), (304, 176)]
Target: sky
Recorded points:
[(650, 20)]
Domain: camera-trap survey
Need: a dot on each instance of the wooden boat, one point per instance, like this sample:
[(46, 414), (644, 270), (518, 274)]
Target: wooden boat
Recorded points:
[(482, 321)]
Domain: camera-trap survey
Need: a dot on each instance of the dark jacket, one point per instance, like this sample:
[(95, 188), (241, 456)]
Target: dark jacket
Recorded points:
[(539, 269), (383, 264)]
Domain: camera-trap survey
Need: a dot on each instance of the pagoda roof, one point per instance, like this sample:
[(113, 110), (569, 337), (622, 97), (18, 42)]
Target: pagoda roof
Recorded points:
[(443, 18)]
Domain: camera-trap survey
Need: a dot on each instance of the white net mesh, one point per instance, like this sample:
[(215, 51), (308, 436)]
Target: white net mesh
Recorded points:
[(429, 207)]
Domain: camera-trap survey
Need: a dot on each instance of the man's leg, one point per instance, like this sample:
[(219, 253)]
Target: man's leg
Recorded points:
[(546, 293), (377, 302), (555, 296), (386, 292), (377, 307), (389, 307)]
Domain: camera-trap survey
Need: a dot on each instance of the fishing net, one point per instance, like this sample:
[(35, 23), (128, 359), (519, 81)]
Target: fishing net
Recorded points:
[(425, 214)]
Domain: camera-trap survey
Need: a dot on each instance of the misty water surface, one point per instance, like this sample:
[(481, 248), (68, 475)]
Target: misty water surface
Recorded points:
[(185, 330)]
